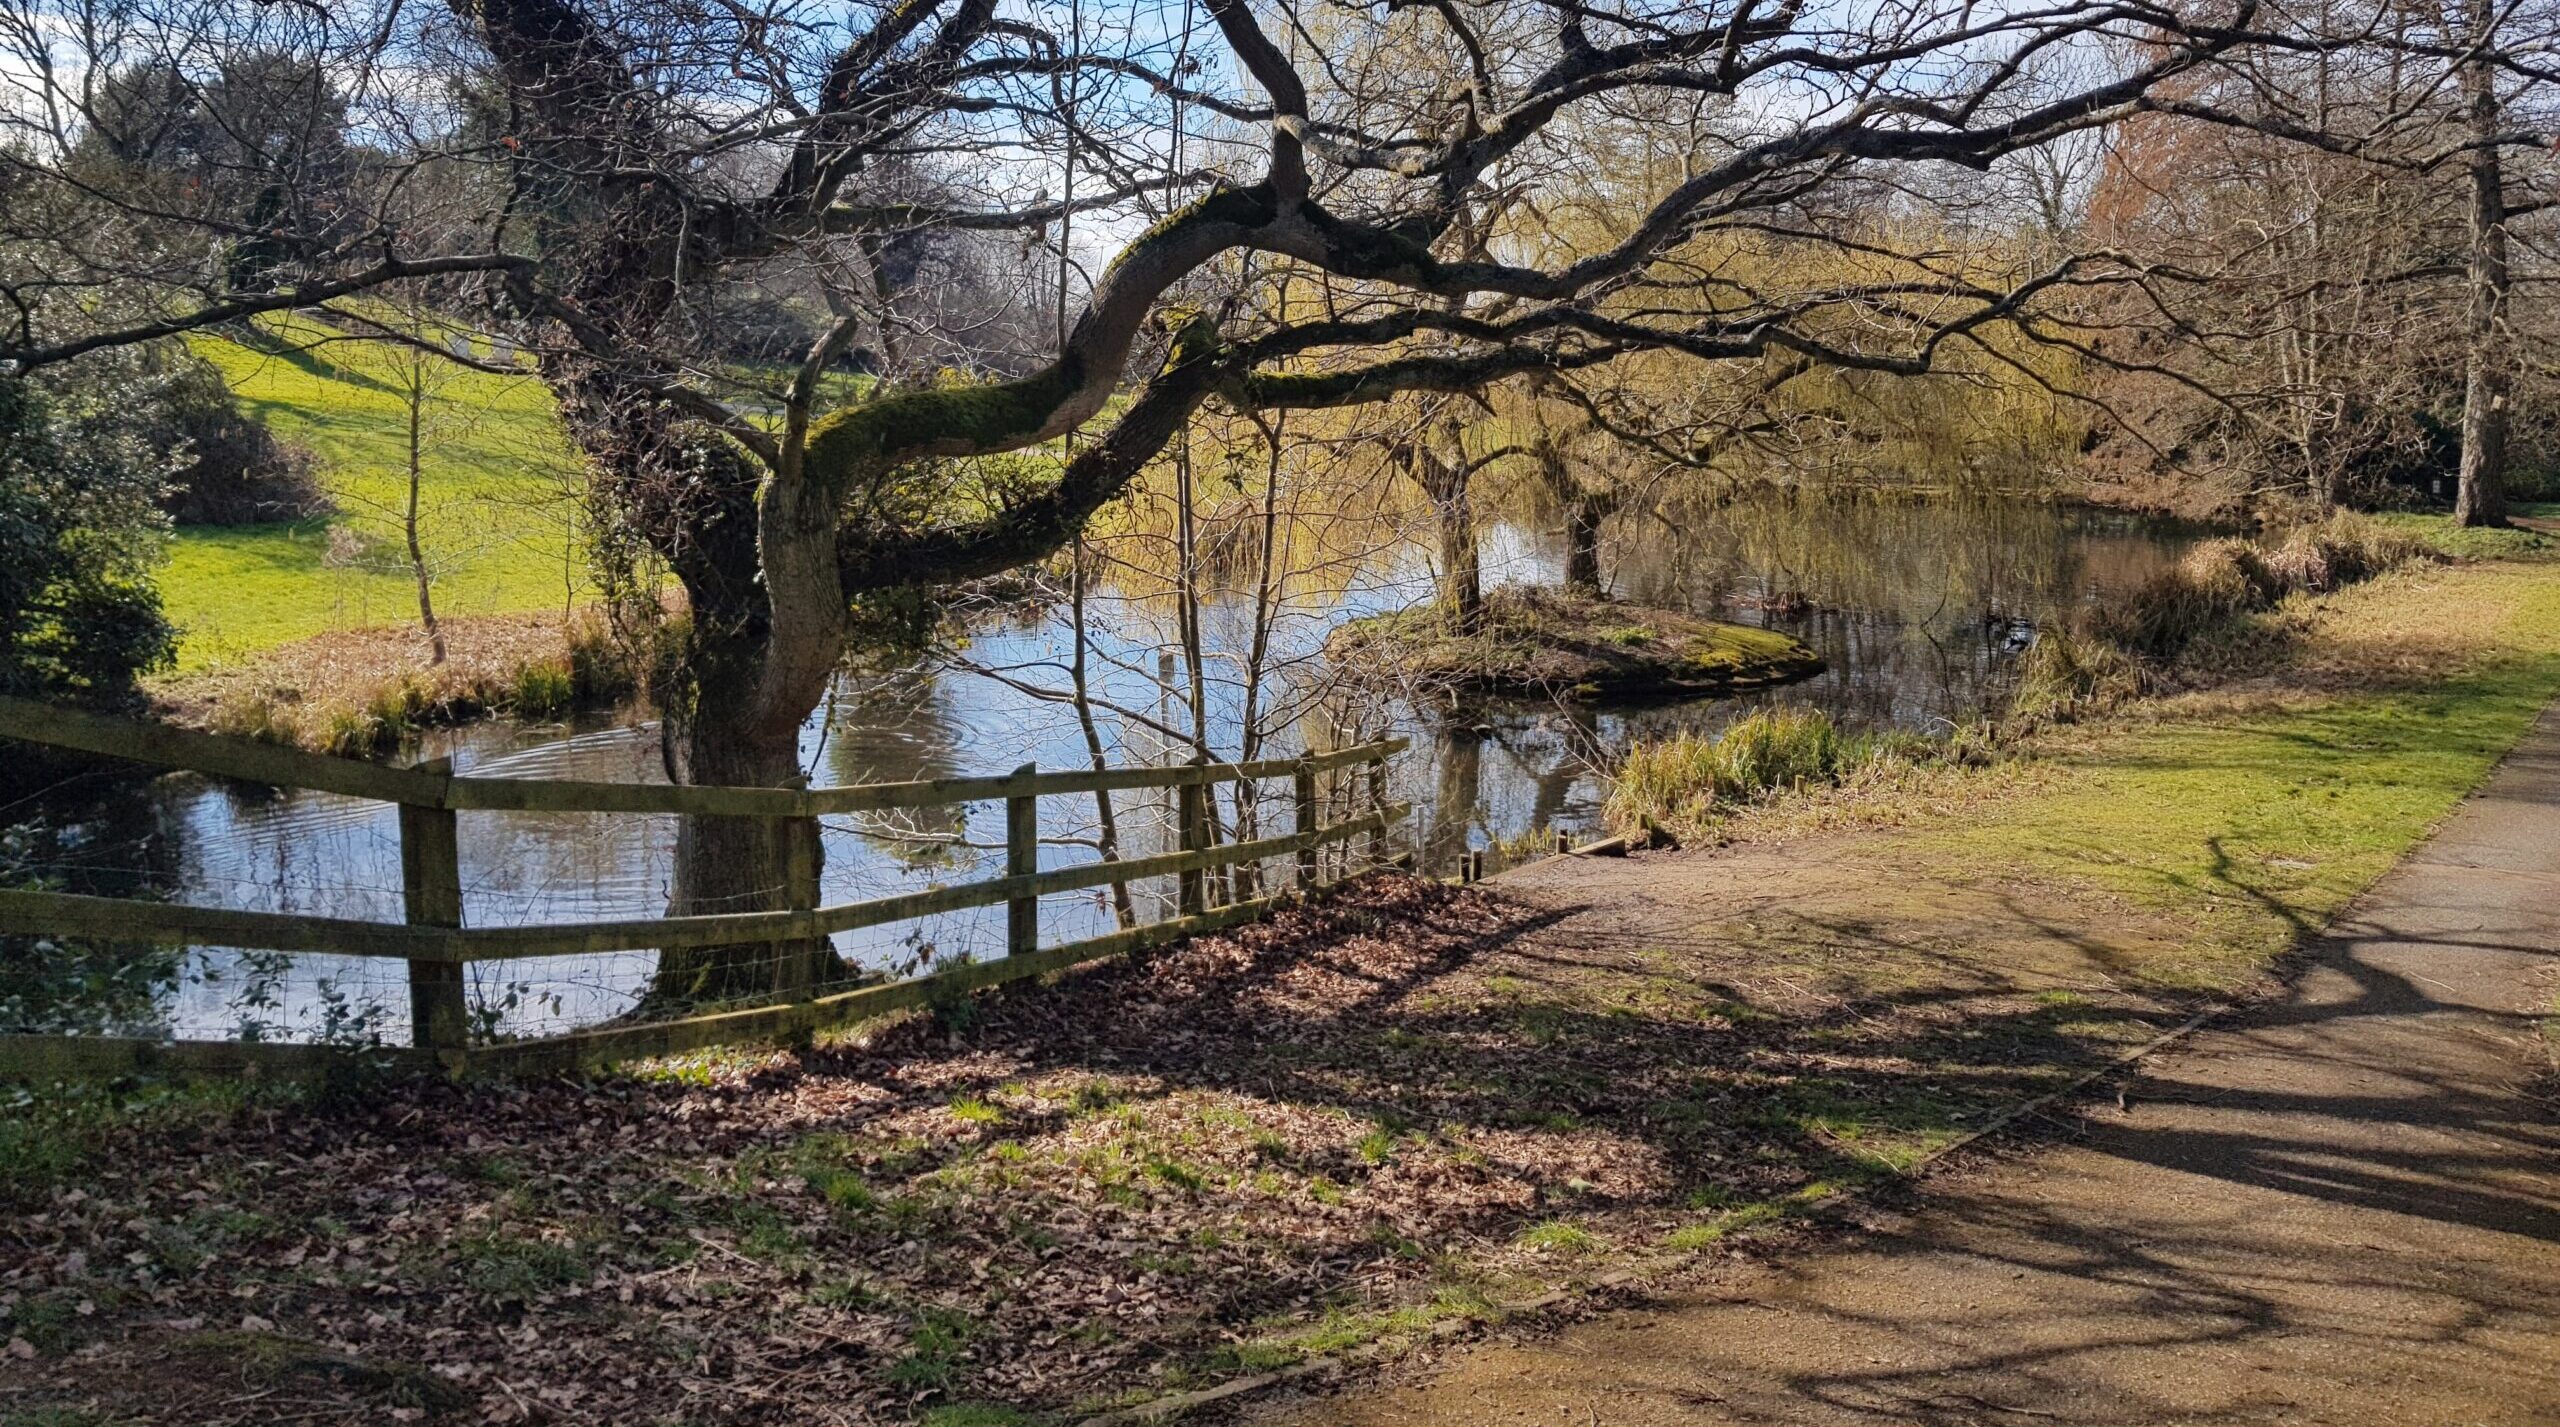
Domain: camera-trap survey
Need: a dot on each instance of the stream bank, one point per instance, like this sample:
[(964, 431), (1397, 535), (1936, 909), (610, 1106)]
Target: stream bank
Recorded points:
[(1918, 613)]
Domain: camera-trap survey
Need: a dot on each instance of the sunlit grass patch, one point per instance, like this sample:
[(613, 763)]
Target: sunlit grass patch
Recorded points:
[(1557, 1236), (499, 498), (1688, 782)]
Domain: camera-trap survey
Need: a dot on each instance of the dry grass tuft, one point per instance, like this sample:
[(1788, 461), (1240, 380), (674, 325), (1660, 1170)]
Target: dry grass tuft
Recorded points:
[(1688, 784), (360, 692)]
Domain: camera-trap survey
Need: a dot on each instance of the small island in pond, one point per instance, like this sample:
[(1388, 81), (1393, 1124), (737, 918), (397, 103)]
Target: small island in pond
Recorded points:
[(1546, 644)]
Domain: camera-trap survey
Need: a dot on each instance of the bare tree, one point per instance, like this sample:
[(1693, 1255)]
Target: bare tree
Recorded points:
[(2325, 231), (635, 160)]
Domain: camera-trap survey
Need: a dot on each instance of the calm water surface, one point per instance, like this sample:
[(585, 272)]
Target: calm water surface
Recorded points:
[(1919, 611)]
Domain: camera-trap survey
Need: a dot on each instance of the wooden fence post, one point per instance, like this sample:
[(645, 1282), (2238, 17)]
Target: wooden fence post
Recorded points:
[(1191, 819), (1304, 781), (431, 896), (794, 962), (1022, 859), (1377, 839)]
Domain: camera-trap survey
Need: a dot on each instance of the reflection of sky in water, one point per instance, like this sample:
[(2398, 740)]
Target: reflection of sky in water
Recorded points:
[(1916, 609)]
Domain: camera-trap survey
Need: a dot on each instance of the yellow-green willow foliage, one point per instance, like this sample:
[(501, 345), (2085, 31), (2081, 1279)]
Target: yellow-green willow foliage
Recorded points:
[(1994, 411)]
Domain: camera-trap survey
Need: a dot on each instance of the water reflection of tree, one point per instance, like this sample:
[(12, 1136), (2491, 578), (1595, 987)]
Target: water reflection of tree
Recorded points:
[(1848, 551), (1913, 603), (1457, 794), (894, 730), (102, 836)]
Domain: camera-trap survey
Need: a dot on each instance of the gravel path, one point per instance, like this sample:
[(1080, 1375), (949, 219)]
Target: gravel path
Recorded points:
[(2343, 1207)]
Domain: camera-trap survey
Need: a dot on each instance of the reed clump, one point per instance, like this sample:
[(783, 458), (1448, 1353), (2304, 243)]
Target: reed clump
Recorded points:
[(1683, 784), (2117, 651), (2221, 580)]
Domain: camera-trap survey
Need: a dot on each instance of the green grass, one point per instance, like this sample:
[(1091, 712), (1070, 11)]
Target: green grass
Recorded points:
[(503, 1265), (2469, 544), (1559, 1236), (2261, 823), (495, 520), (933, 1357)]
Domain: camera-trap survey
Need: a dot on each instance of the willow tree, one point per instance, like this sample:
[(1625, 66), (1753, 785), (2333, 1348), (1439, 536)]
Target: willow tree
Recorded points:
[(637, 161)]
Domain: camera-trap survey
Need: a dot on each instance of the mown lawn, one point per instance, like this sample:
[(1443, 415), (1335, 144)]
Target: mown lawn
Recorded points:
[(1416, 1106), (498, 508)]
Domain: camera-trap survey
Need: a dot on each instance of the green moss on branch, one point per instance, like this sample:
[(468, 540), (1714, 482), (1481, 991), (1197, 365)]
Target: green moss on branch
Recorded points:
[(845, 446)]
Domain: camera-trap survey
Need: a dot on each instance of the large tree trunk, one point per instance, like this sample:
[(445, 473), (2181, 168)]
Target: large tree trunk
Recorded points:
[(761, 651), (2482, 499), (762, 634), (728, 864), (1440, 468)]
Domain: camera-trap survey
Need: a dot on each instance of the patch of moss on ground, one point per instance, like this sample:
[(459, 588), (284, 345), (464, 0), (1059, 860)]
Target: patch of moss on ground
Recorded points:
[(1543, 643)]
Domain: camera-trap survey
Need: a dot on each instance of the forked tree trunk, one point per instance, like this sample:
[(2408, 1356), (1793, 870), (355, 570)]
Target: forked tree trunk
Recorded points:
[(2482, 499), (765, 638)]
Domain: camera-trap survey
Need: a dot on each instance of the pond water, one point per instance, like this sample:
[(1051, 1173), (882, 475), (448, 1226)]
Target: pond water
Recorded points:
[(1919, 611)]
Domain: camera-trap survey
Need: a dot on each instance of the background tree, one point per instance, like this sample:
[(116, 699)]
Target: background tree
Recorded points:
[(80, 529), (2322, 226)]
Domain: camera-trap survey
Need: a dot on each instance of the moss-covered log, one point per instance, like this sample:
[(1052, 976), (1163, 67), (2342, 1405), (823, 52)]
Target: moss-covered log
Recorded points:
[(1553, 645)]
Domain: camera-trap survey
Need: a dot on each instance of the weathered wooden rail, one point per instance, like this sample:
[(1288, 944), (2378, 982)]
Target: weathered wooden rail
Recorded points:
[(437, 946)]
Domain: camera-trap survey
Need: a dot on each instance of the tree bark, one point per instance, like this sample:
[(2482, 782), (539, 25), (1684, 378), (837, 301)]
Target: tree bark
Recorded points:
[(1582, 546), (728, 864), (1440, 468), (760, 655), (2482, 497), (763, 632)]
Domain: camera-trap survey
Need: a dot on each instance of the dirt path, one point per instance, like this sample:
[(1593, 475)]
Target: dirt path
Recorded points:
[(2344, 1207)]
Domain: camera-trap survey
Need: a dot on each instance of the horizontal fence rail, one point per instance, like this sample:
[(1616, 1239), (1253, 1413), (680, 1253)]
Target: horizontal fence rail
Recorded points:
[(436, 946), (167, 746), (118, 919)]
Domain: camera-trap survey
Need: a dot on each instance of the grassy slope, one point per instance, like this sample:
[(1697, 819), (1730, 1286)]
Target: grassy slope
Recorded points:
[(495, 520), (2260, 809)]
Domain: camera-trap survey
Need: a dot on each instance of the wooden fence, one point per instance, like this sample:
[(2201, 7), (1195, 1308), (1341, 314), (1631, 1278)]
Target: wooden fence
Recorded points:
[(438, 948)]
